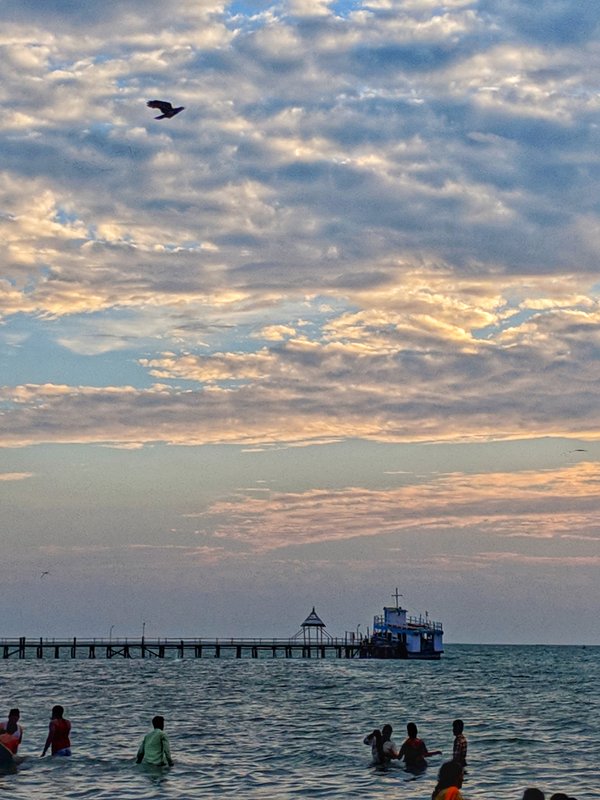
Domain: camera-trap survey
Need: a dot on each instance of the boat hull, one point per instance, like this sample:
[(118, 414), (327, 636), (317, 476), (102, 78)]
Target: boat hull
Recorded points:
[(396, 651)]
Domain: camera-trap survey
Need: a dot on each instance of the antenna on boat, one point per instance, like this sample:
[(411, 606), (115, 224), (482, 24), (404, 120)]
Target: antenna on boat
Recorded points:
[(397, 596)]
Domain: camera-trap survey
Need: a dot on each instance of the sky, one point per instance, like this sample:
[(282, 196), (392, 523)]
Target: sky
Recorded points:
[(332, 330)]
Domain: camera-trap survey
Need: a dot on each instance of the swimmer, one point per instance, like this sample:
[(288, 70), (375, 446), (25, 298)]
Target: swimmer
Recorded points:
[(414, 750), (533, 794), (58, 734)]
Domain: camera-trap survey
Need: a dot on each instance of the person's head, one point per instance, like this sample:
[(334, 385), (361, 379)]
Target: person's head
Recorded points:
[(411, 729), (561, 796), (387, 731), (57, 712), (458, 727), (450, 774), (533, 794), (158, 722), (13, 719)]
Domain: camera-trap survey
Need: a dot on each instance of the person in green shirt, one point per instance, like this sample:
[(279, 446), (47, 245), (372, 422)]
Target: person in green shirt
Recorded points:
[(155, 748)]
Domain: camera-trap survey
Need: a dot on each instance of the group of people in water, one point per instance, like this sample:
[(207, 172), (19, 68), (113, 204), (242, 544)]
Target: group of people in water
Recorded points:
[(413, 750), (154, 749), (57, 741), (414, 753)]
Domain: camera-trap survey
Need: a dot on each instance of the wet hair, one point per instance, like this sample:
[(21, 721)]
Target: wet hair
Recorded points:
[(458, 726), (533, 794), (411, 729), (13, 716), (378, 745), (57, 712), (387, 731), (450, 774), (11, 726), (158, 722), (562, 796)]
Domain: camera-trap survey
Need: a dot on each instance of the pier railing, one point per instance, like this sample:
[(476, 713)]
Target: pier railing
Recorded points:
[(144, 647)]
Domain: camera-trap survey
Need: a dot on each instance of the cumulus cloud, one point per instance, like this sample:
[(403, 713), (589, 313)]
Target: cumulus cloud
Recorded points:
[(372, 220)]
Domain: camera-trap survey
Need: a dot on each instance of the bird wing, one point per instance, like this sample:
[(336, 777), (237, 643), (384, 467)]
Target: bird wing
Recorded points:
[(161, 105)]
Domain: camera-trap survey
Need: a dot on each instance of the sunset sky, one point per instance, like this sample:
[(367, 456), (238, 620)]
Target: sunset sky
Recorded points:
[(332, 330)]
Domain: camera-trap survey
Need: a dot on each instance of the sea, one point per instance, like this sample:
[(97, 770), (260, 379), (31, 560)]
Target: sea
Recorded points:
[(269, 729)]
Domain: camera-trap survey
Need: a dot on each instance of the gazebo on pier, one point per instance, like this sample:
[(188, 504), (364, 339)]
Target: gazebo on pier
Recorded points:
[(312, 630)]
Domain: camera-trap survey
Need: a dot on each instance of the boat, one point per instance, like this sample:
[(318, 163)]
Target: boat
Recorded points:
[(396, 635)]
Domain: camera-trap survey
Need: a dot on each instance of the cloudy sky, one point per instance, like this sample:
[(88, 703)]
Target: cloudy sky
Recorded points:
[(331, 330)]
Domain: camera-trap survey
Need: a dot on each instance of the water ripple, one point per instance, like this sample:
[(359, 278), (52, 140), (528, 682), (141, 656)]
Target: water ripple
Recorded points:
[(278, 729)]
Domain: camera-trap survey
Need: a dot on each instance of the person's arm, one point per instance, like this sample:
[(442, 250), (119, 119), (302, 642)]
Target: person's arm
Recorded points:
[(140, 753), (427, 753), (49, 738), (167, 750)]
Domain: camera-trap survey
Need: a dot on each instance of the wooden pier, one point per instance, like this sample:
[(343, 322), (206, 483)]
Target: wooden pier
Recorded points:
[(24, 648)]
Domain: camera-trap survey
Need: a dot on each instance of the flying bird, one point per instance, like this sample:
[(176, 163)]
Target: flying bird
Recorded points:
[(46, 572), (166, 108)]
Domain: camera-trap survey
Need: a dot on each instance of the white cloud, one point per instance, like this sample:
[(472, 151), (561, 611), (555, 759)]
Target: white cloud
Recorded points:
[(419, 179)]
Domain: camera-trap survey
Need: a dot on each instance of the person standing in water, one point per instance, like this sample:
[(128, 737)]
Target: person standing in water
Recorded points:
[(459, 749), (375, 742), (414, 750), (390, 749), (58, 734), (12, 732), (155, 748)]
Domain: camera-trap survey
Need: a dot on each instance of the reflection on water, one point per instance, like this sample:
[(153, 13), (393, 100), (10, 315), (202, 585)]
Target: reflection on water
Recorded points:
[(290, 728)]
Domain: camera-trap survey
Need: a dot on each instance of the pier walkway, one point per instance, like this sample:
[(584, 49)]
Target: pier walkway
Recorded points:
[(178, 648)]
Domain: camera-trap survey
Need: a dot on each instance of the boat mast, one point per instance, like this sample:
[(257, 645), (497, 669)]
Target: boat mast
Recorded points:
[(397, 597)]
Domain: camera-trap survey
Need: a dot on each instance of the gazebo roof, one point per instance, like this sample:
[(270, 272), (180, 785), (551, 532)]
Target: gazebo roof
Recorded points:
[(313, 620)]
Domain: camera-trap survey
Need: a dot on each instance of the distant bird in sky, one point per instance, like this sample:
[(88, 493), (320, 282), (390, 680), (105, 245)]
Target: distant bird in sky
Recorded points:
[(166, 108), (46, 572)]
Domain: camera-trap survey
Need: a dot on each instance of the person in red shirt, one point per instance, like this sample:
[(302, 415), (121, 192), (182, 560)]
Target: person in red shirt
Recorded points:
[(58, 734), (414, 750)]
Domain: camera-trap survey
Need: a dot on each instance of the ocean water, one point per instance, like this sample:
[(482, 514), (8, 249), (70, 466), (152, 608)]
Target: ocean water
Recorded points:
[(277, 728)]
